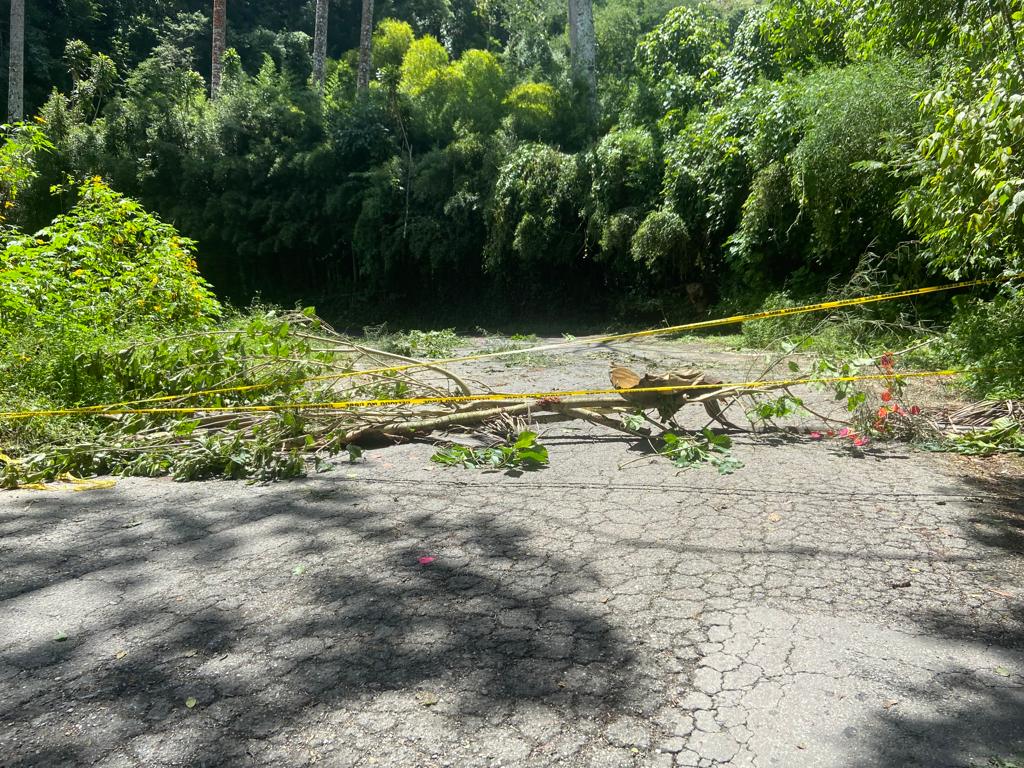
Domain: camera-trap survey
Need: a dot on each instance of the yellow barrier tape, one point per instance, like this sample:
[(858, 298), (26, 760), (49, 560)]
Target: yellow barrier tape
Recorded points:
[(700, 325), (495, 396)]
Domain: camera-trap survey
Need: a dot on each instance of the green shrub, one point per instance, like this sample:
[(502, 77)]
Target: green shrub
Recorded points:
[(767, 334), (535, 212), (424, 344), (674, 59), (987, 336), (662, 245), (626, 171), (105, 266)]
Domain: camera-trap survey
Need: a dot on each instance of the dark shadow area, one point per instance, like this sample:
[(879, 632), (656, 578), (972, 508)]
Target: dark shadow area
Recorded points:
[(985, 727), (996, 522), (260, 649)]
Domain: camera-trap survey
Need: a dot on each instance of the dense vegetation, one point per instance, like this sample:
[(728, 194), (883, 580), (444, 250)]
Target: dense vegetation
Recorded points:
[(743, 148), (742, 154)]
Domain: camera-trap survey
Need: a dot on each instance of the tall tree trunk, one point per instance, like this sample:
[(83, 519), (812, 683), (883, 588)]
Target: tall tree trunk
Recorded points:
[(220, 27), (320, 44), (574, 34), (583, 47), (16, 89), (365, 49)]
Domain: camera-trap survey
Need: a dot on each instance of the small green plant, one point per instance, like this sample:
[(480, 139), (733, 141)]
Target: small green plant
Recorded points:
[(524, 453), (767, 411), (708, 448), (434, 345), (634, 421), (499, 344)]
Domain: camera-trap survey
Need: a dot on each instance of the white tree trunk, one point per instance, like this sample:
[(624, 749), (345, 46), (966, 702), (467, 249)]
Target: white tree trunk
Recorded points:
[(574, 25), (583, 47), (320, 44), (220, 26), (365, 49), (16, 87)]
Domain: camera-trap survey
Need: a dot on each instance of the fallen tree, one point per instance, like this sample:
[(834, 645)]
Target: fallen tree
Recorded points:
[(281, 395)]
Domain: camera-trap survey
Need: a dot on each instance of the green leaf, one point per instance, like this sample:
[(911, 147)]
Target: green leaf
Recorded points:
[(526, 440)]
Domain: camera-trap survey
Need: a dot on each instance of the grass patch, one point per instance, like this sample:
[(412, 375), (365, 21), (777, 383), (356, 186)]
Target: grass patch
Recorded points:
[(499, 344)]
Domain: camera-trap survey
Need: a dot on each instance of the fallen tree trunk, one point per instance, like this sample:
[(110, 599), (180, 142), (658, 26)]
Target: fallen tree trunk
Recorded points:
[(597, 410)]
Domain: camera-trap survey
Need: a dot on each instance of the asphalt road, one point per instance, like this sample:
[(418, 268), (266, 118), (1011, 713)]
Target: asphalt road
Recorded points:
[(823, 606)]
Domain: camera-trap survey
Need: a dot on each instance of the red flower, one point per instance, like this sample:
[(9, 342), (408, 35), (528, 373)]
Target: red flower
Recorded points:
[(860, 441), (844, 432), (815, 435), (888, 360), (915, 411), (882, 413), (886, 396)]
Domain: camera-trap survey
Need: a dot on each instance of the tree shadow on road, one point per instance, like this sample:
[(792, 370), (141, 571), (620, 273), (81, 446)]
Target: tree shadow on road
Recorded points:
[(237, 630), (985, 727)]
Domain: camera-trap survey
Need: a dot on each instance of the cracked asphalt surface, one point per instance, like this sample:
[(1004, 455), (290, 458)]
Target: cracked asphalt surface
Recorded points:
[(820, 607)]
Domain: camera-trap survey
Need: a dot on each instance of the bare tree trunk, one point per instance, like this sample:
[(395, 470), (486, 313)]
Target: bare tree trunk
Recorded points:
[(574, 25), (16, 89), (220, 26), (365, 49), (320, 44), (583, 47)]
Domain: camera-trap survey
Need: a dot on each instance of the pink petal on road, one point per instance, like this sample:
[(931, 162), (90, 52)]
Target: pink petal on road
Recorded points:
[(426, 560)]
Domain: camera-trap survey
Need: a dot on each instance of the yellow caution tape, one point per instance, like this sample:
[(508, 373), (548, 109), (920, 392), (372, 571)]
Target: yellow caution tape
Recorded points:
[(700, 325), (488, 397)]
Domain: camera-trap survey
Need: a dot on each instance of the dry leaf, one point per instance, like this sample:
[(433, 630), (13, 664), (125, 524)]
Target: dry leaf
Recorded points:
[(191, 702)]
